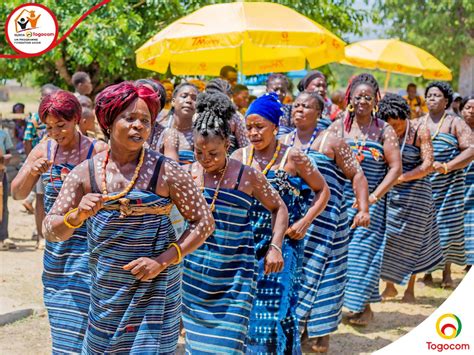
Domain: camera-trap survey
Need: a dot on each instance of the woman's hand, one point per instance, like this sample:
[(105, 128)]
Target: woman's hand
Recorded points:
[(90, 204), (298, 229), (273, 260), (145, 269), (361, 219), (440, 168), (40, 166)]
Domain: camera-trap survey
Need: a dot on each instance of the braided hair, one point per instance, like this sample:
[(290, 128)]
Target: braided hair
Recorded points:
[(393, 106), (214, 111), (219, 85), (444, 87), (361, 79)]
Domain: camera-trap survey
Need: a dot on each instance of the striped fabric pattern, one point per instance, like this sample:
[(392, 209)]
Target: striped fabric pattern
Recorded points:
[(126, 315), (186, 157), (325, 257), (66, 277), (324, 123), (220, 278), (412, 234), (448, 195), (273, 322), (366, 245), (469, 214)]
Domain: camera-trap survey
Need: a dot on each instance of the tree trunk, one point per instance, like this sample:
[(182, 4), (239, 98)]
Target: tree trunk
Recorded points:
[(466, 76), (62, 70)]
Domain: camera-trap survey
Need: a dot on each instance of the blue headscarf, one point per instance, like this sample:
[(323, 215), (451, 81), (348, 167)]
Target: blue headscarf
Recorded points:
[(268, 106)]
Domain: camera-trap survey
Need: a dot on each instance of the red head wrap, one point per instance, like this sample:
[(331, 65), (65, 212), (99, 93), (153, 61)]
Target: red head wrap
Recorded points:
[(114, 99)]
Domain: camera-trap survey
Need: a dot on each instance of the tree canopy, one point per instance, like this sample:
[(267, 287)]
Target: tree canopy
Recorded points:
[(104, 43), (445, 28)]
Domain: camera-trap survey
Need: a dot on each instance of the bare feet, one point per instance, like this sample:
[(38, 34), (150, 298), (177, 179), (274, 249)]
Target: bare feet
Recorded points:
[(362, 319), (427, 280), (389, 292), (409, 297), (447, 280), (321, 344)]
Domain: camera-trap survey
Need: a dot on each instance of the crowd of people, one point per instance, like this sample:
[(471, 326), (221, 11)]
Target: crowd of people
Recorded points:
[(244, 223)]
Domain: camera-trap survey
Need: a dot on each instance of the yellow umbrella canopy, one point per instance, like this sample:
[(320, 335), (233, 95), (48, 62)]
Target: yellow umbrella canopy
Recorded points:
[(395, 56), (255, 37)]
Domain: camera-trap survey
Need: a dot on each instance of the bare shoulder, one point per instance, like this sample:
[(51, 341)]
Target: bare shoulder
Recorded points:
[(237, 154), (100, 146)]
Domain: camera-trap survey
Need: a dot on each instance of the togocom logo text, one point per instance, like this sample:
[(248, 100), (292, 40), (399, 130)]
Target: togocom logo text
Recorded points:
[(448, 327)]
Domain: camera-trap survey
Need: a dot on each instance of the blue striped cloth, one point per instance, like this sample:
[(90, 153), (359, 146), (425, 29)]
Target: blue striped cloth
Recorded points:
[(325, 257), (126, 315), (186, 157), (66, 277), (219, 279), (324, 123), (366, 245), (469, 214), (413, 243), (448, 195), (273, 321)]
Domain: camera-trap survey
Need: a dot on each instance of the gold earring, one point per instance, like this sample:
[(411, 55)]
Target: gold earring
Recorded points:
[(376, 109), (275, 131), (350, 108)]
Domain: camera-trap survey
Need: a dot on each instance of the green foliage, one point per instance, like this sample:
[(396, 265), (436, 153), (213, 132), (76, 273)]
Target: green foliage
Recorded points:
[(104, 44), (445, 28)]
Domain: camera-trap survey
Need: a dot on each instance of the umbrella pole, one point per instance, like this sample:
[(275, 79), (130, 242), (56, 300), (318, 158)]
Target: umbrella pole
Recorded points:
[(387, 79), (241, 71)]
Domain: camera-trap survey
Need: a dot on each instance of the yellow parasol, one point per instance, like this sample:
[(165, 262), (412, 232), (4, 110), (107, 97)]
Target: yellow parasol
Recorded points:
[(255, 37), (395, 56)]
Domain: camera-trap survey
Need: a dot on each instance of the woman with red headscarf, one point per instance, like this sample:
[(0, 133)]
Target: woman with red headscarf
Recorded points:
[(66, 277), (125, 196)]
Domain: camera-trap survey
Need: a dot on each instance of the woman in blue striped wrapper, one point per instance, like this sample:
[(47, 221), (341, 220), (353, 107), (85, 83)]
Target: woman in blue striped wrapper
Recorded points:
[(219, 281), (413, 243), (273, 321), (66, 277), (326, 244), (125, 195), (375, 145), (467, 111), (453, 150)]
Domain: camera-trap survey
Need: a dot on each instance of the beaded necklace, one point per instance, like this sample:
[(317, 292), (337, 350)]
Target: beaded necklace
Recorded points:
[(216, 192), (129, 186), (359, 155), (441, 121), (270, 164), (313, 137)]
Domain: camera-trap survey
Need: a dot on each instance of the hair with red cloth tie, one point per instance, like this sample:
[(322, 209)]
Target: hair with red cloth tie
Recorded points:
[(114, 99), (60, 104)]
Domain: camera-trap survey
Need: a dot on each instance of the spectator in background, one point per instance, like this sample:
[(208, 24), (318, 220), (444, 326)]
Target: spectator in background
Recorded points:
[(337, 98), (229, 74), (82, 83), (454, 109), (85, 101), (6, 146), (416, 102), (20, 125), (35, 131), (87, 123), (240, 96), (279, 84)]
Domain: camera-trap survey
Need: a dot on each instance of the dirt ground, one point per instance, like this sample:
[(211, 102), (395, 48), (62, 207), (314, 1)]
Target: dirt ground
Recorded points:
[(20, 280)]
